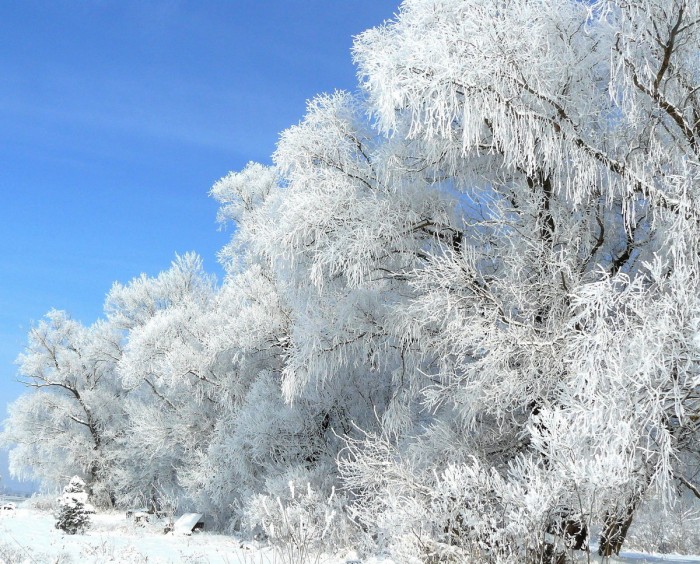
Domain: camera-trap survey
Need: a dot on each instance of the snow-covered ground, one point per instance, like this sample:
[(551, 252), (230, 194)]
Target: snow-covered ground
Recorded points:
[(639, 558), (29, 536), (112, 538)]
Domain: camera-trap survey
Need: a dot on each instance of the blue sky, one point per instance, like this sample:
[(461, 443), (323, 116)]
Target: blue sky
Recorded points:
[(118, 115)]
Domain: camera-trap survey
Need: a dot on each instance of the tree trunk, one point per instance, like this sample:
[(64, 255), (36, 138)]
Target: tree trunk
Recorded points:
[(615, 528)]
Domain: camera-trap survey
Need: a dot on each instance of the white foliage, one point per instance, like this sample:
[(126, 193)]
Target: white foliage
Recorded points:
[(299, 518), (480, 274)]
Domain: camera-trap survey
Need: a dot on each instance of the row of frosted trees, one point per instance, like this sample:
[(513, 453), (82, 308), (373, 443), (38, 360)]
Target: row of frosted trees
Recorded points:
[(461, 315)]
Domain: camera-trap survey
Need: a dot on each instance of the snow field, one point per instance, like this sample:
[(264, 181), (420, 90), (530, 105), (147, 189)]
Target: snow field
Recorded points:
[(29, 536)]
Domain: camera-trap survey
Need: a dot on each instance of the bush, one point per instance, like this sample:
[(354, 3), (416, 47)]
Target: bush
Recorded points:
[(300, 520), (72, 515)]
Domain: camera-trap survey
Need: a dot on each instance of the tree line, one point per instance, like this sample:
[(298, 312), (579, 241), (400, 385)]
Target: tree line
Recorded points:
[(461, 312)]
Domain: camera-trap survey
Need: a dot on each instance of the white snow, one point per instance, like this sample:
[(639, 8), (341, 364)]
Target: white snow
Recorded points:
[(641, 558), (29, 535)]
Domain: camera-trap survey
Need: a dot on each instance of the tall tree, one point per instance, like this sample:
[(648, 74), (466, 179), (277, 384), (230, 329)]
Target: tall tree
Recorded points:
[(572, 130), (69, 424)]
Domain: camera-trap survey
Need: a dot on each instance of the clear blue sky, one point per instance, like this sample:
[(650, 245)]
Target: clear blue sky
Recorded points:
[(118, 115)]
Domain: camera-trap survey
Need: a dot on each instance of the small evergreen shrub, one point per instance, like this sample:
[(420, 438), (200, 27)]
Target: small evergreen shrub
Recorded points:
[(72, 515)]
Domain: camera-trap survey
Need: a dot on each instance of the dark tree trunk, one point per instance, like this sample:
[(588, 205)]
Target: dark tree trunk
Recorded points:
[(615, 528)]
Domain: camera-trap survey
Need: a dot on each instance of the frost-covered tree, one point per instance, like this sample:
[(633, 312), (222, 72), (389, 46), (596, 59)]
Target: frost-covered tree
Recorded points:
[(509, 259), (469, 295), (171, 372), (571, 129), (506, 262), (69, 423)]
